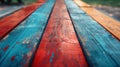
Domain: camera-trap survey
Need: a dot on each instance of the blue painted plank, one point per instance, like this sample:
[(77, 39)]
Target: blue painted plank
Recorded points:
[(100, 47), (17, 48), (9, 10)]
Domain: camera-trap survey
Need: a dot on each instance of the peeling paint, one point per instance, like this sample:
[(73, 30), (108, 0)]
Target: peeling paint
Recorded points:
[(51, 58), (6, 47), (13, 58)]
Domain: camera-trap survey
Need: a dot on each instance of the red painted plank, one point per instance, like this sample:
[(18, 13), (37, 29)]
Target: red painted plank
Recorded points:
[(9, 23), (59, 46)]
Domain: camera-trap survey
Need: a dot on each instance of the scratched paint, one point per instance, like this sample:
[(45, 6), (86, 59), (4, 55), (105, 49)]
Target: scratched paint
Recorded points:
[(10, 22), (24, 39), (59, 46), (100, 47), (9, 10)]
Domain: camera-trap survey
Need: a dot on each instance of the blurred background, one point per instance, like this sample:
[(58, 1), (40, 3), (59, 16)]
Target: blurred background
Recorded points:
[(108, 7), (8, 7), (16, 1)]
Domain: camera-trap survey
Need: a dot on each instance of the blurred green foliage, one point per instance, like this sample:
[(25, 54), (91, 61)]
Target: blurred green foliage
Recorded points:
[(104, 2)]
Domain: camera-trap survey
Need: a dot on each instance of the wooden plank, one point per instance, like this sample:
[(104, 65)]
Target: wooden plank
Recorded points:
[(82, 4), (10, 22), (100, 47), (9, 10), (111, 25), (59, 46), (18, 48), (2, 8), (41, 1)]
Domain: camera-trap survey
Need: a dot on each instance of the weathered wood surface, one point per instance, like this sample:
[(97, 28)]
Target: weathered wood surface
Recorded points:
[(100, 47), (59, 46), (18, 48), (9, 10), (10, 22), (111, 25)]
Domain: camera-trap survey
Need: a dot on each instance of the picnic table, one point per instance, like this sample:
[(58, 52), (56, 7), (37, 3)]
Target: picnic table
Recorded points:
[(59, 33)]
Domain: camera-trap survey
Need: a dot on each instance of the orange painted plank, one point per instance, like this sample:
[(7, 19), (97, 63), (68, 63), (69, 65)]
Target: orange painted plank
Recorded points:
[(82, 4), (10, 22), (59, 46), (111, 25)]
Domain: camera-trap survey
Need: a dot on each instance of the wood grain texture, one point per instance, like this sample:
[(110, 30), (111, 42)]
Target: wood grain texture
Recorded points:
[(10, 22), (100, 47), (59, 46), (18, 47), (111, 25)]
